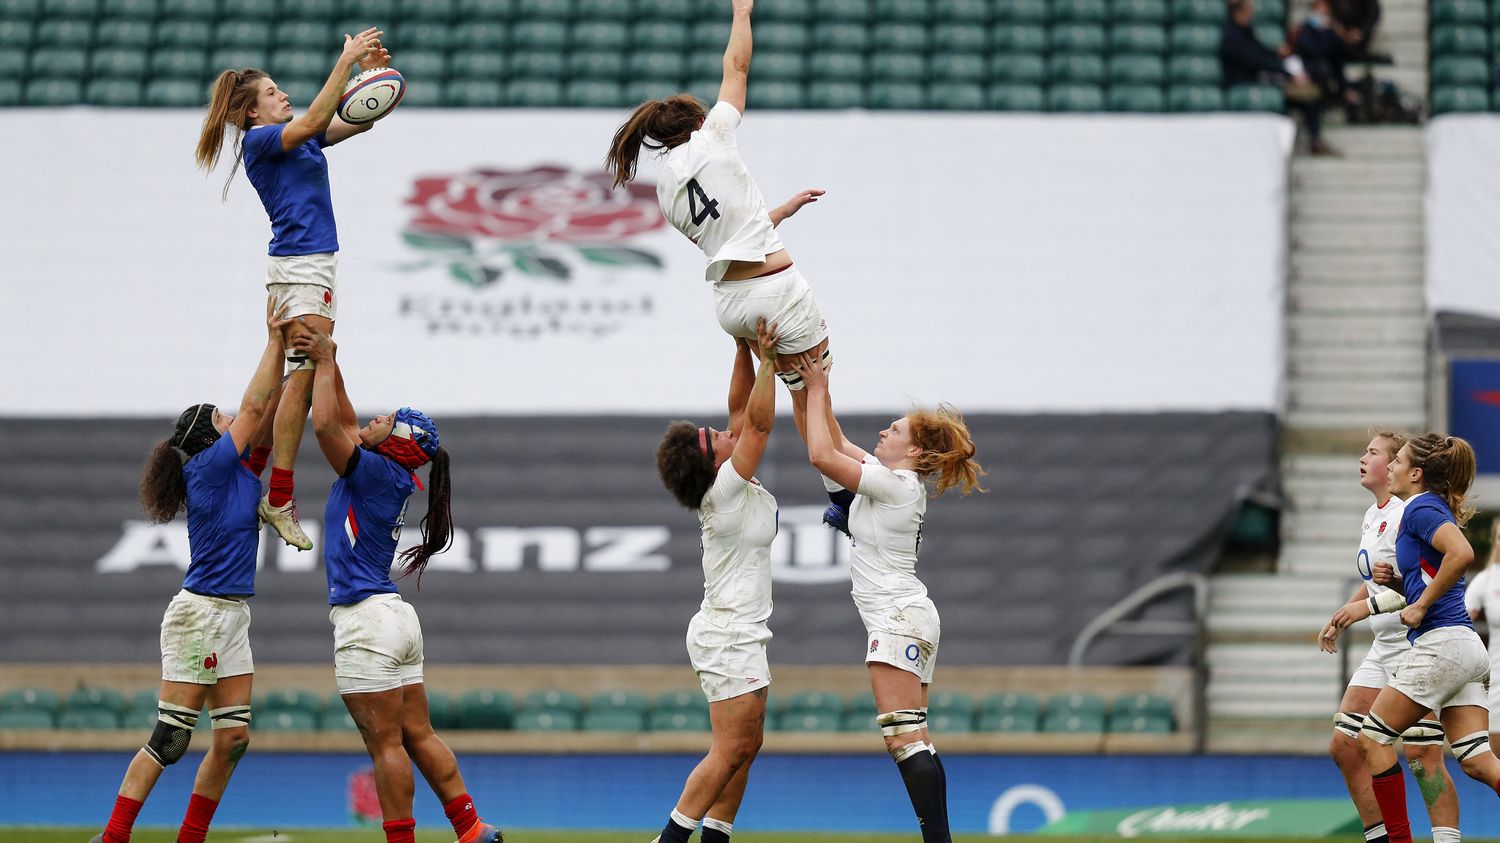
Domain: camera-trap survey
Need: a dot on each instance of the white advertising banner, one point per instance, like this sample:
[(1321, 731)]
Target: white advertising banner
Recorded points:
[(1463, 215), (1004, 263)]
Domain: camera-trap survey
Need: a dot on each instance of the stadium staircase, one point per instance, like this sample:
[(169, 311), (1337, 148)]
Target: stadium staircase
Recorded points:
[(1356, 357)]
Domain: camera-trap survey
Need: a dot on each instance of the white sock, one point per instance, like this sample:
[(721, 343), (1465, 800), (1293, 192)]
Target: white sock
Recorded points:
[(686, 822), (1444, 835), (1375, 832), (710, 822)]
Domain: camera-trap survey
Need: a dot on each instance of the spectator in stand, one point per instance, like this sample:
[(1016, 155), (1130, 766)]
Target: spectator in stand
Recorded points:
[(1323, 46), (1246, 61), (1355, 21)]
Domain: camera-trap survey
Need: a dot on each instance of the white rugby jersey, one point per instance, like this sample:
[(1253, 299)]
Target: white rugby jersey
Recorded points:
[(1484, 593), (886, 523), (1377, 543), (739, 522), (706, 193)]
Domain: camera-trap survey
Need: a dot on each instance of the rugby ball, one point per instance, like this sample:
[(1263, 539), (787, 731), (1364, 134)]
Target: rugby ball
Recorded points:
[(371, 95)]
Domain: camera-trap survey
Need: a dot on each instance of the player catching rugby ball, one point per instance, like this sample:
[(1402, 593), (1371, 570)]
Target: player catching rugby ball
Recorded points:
[(283, 158)]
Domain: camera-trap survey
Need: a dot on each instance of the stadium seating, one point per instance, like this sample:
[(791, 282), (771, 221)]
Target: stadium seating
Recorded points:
[(486, 710), (1465, 71), (1064, 55)]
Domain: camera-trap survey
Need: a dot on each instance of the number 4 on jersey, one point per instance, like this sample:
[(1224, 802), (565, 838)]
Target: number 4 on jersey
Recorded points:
[(709, 207)]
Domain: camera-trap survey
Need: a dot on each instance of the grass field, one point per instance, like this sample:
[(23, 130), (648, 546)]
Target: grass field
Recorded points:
[(146, 835)]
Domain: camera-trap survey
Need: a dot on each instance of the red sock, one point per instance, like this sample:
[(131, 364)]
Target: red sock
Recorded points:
[(121, 820), (200, 812), (400, 831), (258, 459), (462, 814), (281, 486), (1390, 792)]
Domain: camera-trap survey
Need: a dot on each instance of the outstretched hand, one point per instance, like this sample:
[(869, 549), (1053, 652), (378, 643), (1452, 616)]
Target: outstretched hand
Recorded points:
[(766, 338), (811, 370), (794, 204), (378, 57), (1348, 615), (312, 342), (276, 319), (358, 47)]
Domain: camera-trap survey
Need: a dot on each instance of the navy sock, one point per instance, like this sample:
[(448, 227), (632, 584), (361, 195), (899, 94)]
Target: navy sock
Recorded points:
[(675, 832), (924, 784)]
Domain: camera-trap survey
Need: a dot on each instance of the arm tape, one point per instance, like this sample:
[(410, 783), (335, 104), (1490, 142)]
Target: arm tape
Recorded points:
[(1386, 602)]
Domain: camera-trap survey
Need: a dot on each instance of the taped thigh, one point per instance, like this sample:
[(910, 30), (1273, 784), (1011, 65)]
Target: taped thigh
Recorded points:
[(1471, 745), (230, 717), (1378, 730), (1426, 733), (1348, 724)]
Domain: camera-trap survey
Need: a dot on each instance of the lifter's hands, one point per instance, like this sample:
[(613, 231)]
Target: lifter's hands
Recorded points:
[(313, 343), (766, 339), (276, 321), (811, 370)]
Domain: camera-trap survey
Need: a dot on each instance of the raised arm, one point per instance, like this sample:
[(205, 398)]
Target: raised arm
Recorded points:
[(336, 441), (346, 409), (822, 451), (320, 112), (741, 380), (265, 384), (737, 57), (794, 204), (338, 130), (1457, 556), (760, 410)]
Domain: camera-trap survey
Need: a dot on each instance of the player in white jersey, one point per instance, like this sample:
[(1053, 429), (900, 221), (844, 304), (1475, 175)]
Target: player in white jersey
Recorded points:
[(1423, 742), (707, 193), (885, 521), (1483, 601), (713, 473)]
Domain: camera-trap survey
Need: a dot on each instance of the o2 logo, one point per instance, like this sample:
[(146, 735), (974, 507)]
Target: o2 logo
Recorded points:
[(1362, 564), (913, 653)]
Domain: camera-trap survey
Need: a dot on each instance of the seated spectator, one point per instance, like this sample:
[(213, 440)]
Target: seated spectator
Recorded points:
[(1355, 21), (1323, 48), (1246, 61)]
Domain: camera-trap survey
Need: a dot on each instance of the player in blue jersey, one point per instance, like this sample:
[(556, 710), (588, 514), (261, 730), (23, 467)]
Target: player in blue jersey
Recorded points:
[(1447, 669), (377, 639), (887, 504), (205, 644), (283, 157)]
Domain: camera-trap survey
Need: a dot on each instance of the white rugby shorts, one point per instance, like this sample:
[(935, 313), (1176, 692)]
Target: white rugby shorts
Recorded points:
[(1378, 665), (1445, 668), (730, 660), (906, 637), (204, 639), (377, 645), (783, 299), (306, 282), (1494, 706)]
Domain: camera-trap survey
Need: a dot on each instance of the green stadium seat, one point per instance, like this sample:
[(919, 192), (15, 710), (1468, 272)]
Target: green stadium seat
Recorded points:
[(337, 720), (950, 722), (1460, 11), (687, 720), (812, 702), (255, 34), (288, 699), (302, 90), (175, 93), (544, 9), (284, 720), (1457, 98), (19, 10), (1022, 11), (969, 12), (1148, 704), (182, 64), (707, 34), (552, 700), (1194, 70), (477, 11), (12, 64), (1461, 70), (72, 9), (381, 10), (619, 10), (1136, 98), (858, 721), (535, 65), (299, 63), (1272, 35), (1138, 11), (779, 67), (1136, 70), (199, 10), (1076, 39), (584, 64), (1138, 38), (481, 36), (137, 719), (1199, 11), (424, 64), (772, 10), (949, 702), (680, 701), (485, 66), (146, 701), (1255, 98), (777, 94), (1019, 38), (1008, 721), (539, 35), (600, 35), (55, 88), (840, 36), (422, 93), (901, 96), (75, 34), (440, 707), (19, 34), (1089, 704), (12, 93), (702, 64), (900, 67), (1080, 11), (489, 709), (664, 35), (781, 36), (268, 10), (1124, 722), (316, 35), (115, 93), (114, 33), (1078, 68), (105, 698), (1201, 39), (959, 38), (430, 10), (613, 720), (1271, 11), (837, 67), (832, 94), (421, 35), (809, 721), (1458, 39), (905, 11), (26, 718), (1011, 703), (1008, 96), (359, 23), (705, 88), (112, 62), (898, 37), (959, 67), (660, 9), (1067, 722), (324, 10), (238, 59), (618, 701), (852, 11), (31, 699), (194, 34)]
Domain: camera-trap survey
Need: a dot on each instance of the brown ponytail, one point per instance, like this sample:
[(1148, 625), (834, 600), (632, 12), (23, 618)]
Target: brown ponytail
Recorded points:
[(437, 524), (163, 486), (1448, 466), (947, 449), (655, 124), (231, 96)]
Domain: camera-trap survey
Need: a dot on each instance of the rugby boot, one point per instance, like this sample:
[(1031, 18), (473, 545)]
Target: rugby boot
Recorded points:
[(98, 838), (283, 519), (483, 832)]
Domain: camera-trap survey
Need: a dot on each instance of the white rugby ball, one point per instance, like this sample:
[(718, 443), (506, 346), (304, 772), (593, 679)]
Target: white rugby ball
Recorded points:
[(371, 95)]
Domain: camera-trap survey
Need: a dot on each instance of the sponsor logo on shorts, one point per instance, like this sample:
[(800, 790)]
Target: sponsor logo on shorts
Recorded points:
[(212, 662), (913, 652), (874, 644)]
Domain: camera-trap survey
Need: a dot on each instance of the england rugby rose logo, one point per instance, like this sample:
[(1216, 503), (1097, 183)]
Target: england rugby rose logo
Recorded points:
[(540, 222)]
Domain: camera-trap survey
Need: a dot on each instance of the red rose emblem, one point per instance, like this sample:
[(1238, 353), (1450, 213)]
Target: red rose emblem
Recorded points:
[(543, 203)]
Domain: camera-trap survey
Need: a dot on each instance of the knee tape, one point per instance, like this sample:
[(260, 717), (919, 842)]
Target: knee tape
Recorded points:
[(1379, 731), (793, 380), (1425, 733), (230, 717), (299, 364), (901, 721), (174, 729), (1348, 724), (1471, 745)]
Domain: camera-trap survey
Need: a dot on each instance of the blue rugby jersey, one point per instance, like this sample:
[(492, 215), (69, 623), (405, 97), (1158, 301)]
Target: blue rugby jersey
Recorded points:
[(293, 187), (223, 530), (361, 526), (1419, 561)]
